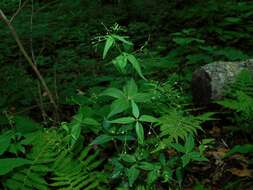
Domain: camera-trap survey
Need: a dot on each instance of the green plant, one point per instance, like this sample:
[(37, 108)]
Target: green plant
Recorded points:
[(240, 100), (47, 161), (122, 126)]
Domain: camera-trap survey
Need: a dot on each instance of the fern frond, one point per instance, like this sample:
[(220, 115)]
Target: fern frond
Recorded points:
[(54, 165), (77, 173), (175, 126), (42, 154)]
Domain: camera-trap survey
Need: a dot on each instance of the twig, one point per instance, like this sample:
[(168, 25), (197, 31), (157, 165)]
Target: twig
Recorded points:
[(29, 60), (18, 11)]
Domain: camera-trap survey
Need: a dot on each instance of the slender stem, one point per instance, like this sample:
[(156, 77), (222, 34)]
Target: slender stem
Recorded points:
[(29, 60)]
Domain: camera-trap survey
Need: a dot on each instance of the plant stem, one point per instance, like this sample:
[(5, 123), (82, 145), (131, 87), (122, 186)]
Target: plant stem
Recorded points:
[(29, 60)]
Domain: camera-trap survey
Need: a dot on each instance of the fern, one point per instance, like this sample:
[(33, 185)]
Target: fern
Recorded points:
[(240, 99), (175, 126), (53, 165), (42, 155), (77, 173), (243, 82)]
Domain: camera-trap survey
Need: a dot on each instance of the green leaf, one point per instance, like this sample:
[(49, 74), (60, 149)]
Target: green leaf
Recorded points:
[(167, 175), (148, 118), (113, 92), (5, 140), (118, 106), (148, 166), (185, 159), (152, 176), (179, 175), (128, 158), (8, 164), (189, 144), (131, 89), (120, 62), (123, 120), (197, 157), (26, 125), (75, 132), (184, 41), (142, 97), (243, 149), (139, 132), (90, 121), (108, 45), (179, 147), (132, 174), (136, 65), (102, 139), (122, 39), (135, 109)]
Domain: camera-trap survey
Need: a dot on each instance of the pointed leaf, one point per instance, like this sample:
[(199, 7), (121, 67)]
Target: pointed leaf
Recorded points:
[(132, 174), (135, 109), (118, 106), (139, 132), (128, 158), (120, 62), (5, 140), (8, 164), (123, 120), (185, 159), (189, 144), (148, 118), (102, 139), (113, 92), (152, 176), (108, 44), (136, 65), (122, 39), (131, 89)]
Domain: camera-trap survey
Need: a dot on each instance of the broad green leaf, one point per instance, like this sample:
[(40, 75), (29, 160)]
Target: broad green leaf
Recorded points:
[(185, 159), (243, 149), (128, 158), (122, 39), (131, 89), (108, 44), (5, 140), (8, 164), (135, 109), (142, 97), (132, 174), (118, 106), (120, 62), (152, 176), (113, 92), (148, 118), (102, 139), (139, 132), (26, 125), (148, 166), (90, 121), (136, 65), (75, 132), (189, 144), (123, 120)]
